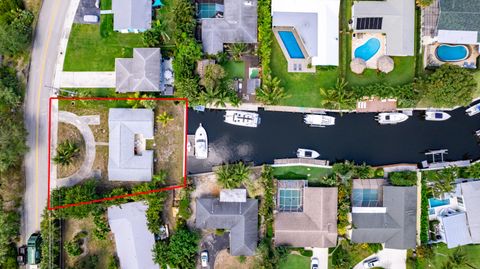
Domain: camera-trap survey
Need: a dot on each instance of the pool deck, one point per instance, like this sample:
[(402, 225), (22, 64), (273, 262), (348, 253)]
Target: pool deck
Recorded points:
[(431, 59), (294, 65), (360, 38)]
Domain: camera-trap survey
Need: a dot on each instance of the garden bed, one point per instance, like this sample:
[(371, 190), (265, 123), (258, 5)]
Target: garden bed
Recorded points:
[(72, 134)]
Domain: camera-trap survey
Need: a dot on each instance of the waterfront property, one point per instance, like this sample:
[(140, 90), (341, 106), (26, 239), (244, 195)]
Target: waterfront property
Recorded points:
[(306, 216), (128, 158), (145, 72), (457, 215), (384, 214), (236, 23), (232, 212), (132, 16), (134, 242), (450, 33), (307, 32)]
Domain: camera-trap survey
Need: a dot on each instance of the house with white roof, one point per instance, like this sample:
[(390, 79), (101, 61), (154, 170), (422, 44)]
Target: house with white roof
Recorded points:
[(132, 16), (133, 241), (128, 158), (314, 24)]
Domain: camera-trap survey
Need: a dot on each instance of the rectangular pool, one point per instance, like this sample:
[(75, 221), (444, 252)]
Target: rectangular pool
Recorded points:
[(365, 198), (433, 202), (291, 44)]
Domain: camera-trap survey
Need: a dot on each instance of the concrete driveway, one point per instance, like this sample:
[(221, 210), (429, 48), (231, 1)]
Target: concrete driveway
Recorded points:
[(87, 80), (322, 255), (388, 258), (213, 244)]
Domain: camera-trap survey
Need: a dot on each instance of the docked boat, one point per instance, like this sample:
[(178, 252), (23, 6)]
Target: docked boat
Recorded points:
[(242, 118), (319, 120), (307, 154), (201, 143), (436, 115), (473, 110), (391, 118)]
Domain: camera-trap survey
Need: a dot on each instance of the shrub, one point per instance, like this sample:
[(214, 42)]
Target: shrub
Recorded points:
[(242, 259), (404, 178), (73, 248), (375, 247), (265, 34), (305, 252), (424, 214), (66, 152), (106, 25)]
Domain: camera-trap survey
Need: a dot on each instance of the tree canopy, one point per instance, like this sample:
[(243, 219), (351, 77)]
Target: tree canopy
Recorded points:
[(179, 252)]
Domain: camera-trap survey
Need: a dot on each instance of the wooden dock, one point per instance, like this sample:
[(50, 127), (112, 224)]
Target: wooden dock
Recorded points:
[(300, 161)]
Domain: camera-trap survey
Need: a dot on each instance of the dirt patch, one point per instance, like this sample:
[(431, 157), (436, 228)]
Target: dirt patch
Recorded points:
[(226, 261), (71, 133), (104, 249)]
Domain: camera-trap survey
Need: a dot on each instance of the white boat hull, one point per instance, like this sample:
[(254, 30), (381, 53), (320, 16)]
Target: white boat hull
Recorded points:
[(242, 118), (201, 143), (473, 110), (391, 118), (307, 154), (436, 116), (318, 120)]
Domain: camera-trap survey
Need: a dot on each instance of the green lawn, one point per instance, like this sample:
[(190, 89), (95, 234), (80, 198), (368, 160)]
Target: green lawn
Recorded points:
[(294, 261), (312, 174), (303, 88), (105, 4), (234, 69), (88, 51), (441, 253)]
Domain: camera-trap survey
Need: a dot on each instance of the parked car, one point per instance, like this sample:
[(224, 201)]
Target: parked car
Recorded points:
[(370, 263), (33, 249), (22, 255), (204, 258), (314, 263)]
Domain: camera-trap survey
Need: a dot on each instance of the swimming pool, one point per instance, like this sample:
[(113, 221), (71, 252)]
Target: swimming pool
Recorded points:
[(365, 197), (208, 10), (452, 53), (433, 202), (291, 44), (368, 49)]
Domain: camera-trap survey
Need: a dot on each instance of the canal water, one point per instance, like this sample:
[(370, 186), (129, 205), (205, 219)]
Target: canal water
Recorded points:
[(355, 136)]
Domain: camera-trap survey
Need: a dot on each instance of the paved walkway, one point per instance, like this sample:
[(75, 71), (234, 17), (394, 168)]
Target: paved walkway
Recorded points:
[(81, 123), (388, 258), (87, 80)]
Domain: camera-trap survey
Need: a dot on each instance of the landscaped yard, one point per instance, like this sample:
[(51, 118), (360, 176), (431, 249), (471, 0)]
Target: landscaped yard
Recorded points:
[(312, 174), (234, 69), (441, 254), (87, 50), (295, 261), (303, 88), (71, 134)]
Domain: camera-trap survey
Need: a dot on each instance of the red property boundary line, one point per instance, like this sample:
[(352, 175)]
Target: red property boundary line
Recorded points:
[(125, 195)]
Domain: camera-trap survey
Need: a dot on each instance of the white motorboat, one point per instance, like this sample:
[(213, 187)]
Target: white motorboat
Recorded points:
[(391, 118), (436, 115), (201, 143), (319, 120), (307, 154), (473, 110), (242, 118)]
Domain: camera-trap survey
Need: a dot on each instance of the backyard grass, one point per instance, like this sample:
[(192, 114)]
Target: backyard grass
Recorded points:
[(303, 88), (234, 69), (441, 253), (294, 261), (312, 174), (87, 50), (105, 4)]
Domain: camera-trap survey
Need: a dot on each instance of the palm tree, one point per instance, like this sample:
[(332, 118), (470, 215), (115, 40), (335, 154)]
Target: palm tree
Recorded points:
[(241, 171), (164, 118), (66, 151), (237, 50), (338, 97), (459, 259), (156, 35), (271, 93), (232, 175)]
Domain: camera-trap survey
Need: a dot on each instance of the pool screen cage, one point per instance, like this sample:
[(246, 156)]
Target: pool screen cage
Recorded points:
[(366, 198), (290, 195), (209, 8)]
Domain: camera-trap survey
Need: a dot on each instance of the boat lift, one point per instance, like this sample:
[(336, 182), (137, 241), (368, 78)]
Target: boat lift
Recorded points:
[(438, 161), (434, 153)]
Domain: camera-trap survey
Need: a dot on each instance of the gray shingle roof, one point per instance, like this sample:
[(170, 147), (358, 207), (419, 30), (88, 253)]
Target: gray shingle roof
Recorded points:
[(397, 227), (239, 25), (316, 226), (140, 73), (240, 218), (132, 14), (460, 15), (123, 125), (398, 23)]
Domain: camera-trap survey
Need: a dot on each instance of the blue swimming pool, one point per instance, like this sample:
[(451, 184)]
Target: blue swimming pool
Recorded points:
[(365, 197), (433, 202), (452, 53), (368, 49), (291, 44)]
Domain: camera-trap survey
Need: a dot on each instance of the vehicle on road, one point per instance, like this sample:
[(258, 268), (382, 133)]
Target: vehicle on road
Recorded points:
[(204, 258), (242, 118), (314, 263), (436, 115), (319, 120), (201, 143), (33, 249), (473, 110), (370, 263), (391, 118), (307, 153), (22, 255)]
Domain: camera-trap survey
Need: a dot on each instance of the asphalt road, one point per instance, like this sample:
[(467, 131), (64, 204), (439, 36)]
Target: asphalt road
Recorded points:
[(42, 68)]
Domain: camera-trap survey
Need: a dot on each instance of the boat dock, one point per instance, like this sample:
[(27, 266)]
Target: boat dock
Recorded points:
[(300, 161), (191, 142)]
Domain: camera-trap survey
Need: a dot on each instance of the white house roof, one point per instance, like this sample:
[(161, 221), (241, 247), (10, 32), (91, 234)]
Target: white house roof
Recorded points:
[(132, 14), (470, 191), (316, 21), (133, 240), (123, 163), (456, 231), (398, 23)]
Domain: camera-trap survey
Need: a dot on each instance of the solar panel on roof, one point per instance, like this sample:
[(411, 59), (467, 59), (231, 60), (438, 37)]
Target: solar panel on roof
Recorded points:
[(374, 23)]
